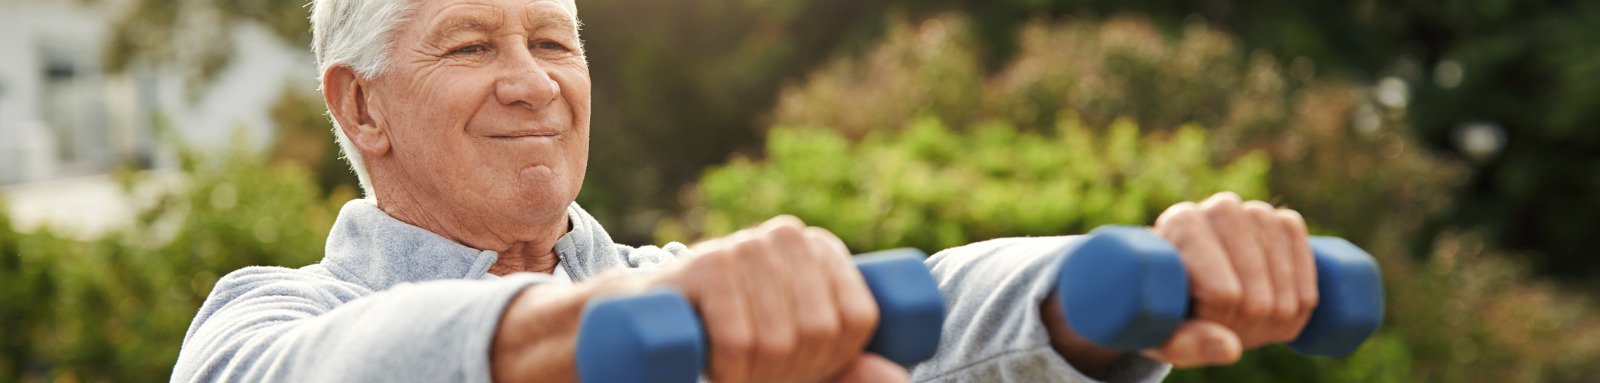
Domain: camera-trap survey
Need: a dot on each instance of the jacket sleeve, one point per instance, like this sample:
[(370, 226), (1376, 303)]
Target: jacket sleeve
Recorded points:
[(284, 325), (994, 333)]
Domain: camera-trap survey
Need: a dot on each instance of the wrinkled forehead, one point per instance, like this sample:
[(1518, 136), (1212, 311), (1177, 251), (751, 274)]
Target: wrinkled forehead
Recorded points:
[(441, 19), (570, 6)]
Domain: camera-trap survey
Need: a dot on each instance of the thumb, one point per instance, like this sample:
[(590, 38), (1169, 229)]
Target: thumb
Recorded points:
[(1199, 342), (872, 368)]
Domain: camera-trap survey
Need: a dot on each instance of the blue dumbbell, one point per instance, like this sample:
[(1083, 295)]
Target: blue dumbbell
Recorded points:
[(657, 336), (1124, 288)]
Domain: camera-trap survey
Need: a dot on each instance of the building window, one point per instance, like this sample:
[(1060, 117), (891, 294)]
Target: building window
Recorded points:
[(74, 110)]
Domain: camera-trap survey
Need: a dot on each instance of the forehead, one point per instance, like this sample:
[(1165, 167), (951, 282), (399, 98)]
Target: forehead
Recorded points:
[(474, 14)]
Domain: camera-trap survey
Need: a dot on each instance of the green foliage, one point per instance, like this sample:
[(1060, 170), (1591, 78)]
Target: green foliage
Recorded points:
[(305, 138), (933, 188), (116, 309), (884, 174), (1326, 138)]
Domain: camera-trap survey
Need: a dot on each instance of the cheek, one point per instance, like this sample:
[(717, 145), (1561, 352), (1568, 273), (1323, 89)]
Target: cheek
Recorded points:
[(575, 87), (441, 103)]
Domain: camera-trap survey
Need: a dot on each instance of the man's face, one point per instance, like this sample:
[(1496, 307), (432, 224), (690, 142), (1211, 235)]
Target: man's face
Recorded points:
[(487, 108)]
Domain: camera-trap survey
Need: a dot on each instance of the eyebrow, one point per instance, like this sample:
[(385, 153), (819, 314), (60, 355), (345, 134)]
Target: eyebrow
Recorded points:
[(474, 23), (548, 19)]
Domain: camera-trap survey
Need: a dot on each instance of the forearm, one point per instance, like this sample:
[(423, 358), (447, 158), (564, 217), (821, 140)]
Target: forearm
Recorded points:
[(537, 335), (1084, 356), (279, 325), (998, 328)]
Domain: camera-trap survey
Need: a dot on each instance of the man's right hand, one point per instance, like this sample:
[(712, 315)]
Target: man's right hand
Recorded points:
[(781, 302)]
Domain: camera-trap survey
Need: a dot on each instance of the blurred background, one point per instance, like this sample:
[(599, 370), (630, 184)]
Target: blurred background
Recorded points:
[(149, 146)]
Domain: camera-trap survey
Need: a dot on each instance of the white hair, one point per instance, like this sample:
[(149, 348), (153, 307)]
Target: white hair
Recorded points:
[(359, 34)]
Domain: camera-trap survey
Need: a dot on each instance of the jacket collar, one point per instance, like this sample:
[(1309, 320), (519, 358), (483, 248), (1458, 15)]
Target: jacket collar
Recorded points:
[(369, 247)]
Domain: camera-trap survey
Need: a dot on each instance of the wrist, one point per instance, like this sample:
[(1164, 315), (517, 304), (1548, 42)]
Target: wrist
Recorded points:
[(536, 338), (1085, 356)]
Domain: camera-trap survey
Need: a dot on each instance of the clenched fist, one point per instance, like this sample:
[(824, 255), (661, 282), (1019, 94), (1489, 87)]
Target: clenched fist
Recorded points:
[(782, 302), (1253, 277)]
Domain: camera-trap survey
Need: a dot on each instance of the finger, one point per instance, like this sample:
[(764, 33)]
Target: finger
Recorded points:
[(871, 368), (1199, 343), (1279, 255), (1236, 230), (1305, 267), (856, 310), (771, 306), (815, 308), (1216, 286), (782, 220), (727, 317), (857, 306)]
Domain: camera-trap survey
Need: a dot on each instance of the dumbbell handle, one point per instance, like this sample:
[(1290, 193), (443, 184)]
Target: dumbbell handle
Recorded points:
[(657, 336), (1124, 288)]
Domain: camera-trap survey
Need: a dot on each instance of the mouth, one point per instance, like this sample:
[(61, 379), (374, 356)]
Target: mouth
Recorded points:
[(523, 135)]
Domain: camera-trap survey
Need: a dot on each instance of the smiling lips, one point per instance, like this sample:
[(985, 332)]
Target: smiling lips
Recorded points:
[(525, 134)]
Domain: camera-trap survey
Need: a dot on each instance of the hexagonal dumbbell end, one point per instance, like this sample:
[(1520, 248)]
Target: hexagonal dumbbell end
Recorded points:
[(910, 308), (650, 337), (1124, 288), (1350, 300)]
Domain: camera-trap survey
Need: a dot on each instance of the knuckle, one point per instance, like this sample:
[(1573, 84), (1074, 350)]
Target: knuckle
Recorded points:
[(775, 346), (1187, 218), (1290, 215), (1223, 198), (1286, 310), (816, 233), (1220, 209), (1257, 306), (1227, 296), (1308, 301), (860, 316), (1255, 206), (1181, 208), (733, 341), (748, 248), (712, 262), (824, 329), (786, 232), (790, 220)]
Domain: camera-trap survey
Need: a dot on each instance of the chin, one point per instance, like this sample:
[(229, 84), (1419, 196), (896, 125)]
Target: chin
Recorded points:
[(538, 203)]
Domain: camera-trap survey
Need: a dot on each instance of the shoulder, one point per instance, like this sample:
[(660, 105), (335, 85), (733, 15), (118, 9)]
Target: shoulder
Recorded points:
[(255, 282)]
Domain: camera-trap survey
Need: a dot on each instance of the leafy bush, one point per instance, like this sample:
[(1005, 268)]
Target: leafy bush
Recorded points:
[(116, 309), (934, 188)]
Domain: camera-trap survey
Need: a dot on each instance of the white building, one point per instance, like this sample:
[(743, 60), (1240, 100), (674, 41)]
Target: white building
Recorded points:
[(65, 122)]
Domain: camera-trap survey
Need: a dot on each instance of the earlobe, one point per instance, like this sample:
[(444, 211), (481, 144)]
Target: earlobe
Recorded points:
[(347, 98)]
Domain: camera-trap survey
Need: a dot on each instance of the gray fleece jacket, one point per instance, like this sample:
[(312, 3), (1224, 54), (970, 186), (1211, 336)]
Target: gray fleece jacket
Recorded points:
[(392, 302)]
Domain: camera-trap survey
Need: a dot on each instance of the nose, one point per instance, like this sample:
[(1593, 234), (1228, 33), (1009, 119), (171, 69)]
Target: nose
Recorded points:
[(524, 82)]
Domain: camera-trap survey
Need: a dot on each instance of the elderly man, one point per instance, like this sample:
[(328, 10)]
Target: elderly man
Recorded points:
[(468, 124)]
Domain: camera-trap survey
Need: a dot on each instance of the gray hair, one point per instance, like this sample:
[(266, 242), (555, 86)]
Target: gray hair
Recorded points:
[(359, 34)]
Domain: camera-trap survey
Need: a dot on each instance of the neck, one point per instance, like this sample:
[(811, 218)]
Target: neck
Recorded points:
[(522, 247)]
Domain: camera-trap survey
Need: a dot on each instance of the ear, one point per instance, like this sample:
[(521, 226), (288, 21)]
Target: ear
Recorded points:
[(348, 101)]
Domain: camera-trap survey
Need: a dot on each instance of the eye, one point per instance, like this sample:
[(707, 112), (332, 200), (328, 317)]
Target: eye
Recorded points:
[(469, 49), (550, 45)]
